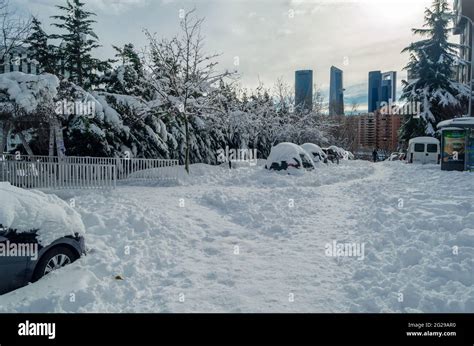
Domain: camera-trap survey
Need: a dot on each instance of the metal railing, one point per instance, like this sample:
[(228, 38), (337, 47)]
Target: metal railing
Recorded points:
[(57, 175), (126, 168)]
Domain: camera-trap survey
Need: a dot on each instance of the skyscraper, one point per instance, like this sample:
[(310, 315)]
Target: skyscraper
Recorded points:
[(382, 88), (389, 86), (375, 89), (304, 89), (336, 92)]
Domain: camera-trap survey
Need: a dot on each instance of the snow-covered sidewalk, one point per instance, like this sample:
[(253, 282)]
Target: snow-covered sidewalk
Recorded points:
[(249, 240)]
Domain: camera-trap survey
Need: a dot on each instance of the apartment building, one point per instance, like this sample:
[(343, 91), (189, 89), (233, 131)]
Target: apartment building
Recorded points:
[(378, 130), (463, 26)]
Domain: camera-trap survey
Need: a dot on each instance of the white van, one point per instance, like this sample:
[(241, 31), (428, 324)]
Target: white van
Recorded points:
[(423, 150)]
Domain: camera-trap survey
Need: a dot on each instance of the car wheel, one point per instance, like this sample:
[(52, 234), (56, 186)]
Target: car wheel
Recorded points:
[(52, 260)]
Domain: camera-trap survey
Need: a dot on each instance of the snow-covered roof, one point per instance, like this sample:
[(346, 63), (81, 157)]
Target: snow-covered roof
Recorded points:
[(462, 122), (313, 149), (287, 152), (452, 128), (428, 140), (337, 149), (26, 210)]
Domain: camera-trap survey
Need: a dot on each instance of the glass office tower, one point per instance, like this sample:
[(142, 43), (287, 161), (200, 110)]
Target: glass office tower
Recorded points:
[(382, 88), (375, 90), (336, 92), (304, 89)]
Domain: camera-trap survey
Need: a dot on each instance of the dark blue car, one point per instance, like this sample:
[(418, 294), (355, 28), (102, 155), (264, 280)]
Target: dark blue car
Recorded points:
[(18, 268)]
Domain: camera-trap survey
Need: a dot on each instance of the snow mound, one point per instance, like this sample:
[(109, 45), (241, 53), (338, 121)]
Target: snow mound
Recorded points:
[(30, 210)]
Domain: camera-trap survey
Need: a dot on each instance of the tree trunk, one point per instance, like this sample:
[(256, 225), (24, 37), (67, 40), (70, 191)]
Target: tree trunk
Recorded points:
[(51, 139), (5, 133), (61, 149), (25, 144), (186, 127)]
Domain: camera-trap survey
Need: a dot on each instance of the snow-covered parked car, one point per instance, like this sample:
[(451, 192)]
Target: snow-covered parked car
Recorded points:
[(341, 153), (348, 155), (338, 151), (332, 155), (396, 156), (287, 156), (39, 233), (317, 154)]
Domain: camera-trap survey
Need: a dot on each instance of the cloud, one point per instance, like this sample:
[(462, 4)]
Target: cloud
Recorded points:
[(270, 40), (117, 6)]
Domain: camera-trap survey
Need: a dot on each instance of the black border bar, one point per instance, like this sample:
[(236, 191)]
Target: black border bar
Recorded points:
[(213, 329)]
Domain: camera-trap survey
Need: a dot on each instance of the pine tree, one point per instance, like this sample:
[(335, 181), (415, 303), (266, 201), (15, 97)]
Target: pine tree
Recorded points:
[(38, 49), (129, 56), (78, 41), (432, 63), (128, 77)]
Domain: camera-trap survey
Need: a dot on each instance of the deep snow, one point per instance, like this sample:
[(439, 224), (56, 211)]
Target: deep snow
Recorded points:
[(250, 240)]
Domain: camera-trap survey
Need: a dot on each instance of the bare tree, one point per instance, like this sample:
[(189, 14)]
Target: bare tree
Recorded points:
[(182, 75), (354, 107), (284, 95), (14, 29)]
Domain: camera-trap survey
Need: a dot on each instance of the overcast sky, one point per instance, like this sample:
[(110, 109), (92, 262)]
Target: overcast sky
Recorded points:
[(272, 38)]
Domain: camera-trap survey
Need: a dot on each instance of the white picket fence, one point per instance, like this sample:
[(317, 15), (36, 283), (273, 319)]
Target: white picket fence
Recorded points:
[(50, 175), (82, 172)]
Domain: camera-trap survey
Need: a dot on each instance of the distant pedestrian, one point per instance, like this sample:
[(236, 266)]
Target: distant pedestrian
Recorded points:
[(374, 155)]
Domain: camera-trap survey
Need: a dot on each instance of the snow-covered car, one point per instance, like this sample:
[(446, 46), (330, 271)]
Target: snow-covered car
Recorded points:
[(393, 157), (317, 154), (39, 233), (396, 157), (332, 155), (289, 155), (341, 153), (348, 155)]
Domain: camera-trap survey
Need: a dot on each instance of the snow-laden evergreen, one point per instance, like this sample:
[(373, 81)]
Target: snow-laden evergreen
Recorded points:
[(40, 52), (432, 63), (26, 91), (78, 40)]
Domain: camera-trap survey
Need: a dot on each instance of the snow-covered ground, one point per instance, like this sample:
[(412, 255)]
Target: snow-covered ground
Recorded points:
[(249, 240)]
